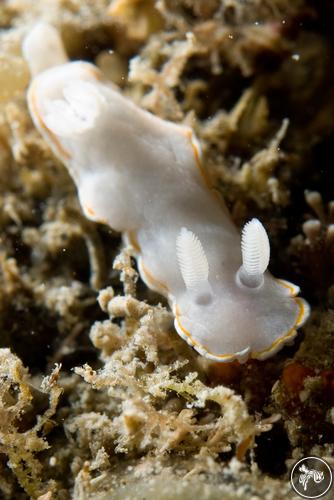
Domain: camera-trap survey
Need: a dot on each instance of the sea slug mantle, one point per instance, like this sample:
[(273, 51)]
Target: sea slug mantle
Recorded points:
[(143, 176)]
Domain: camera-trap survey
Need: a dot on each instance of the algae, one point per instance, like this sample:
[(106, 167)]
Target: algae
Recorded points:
[(99, 397)]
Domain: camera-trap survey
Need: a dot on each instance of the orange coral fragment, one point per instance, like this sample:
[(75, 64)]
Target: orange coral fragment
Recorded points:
[(294, 375)]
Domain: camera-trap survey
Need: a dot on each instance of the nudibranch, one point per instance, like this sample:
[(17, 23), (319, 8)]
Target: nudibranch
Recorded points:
[(143, 176)]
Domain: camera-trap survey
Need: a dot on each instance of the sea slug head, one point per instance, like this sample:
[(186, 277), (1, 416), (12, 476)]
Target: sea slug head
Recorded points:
[(246, 314)]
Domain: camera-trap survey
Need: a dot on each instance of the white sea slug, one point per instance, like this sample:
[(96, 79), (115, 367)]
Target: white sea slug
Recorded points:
[(143, 176)]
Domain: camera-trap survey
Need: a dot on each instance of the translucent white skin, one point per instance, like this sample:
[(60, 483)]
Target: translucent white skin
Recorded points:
[(142, 176)]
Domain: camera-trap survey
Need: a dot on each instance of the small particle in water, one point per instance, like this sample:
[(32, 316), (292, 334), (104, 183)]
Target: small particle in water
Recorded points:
[(295, 57)]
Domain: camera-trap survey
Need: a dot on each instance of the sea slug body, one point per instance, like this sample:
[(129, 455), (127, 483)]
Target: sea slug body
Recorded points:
[(143, 176)]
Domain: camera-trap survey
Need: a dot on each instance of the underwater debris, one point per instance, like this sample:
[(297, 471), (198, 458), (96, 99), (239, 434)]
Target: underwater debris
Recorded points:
[(315, 247), (140, 18), (305, 395), (20, 442), (159, 409)]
